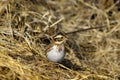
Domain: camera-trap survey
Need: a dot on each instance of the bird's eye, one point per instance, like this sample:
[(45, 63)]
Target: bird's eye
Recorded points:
[(58, 39)]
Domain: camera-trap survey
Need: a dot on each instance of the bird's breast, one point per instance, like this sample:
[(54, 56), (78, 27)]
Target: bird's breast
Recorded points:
[(56, 53)]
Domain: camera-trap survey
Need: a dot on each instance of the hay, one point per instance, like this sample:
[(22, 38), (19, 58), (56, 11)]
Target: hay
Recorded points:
[(27, 25)]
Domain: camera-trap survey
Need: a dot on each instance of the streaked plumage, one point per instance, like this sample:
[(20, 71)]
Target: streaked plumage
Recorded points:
[(56, 50)]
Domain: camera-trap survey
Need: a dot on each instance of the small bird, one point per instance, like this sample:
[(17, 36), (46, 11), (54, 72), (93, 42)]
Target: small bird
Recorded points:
[(56, 50)]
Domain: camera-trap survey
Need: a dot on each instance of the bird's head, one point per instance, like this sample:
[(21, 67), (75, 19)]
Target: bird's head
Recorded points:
[(59, 39)]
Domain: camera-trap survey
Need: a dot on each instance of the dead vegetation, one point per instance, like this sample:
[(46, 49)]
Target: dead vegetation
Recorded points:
[(25, 26)]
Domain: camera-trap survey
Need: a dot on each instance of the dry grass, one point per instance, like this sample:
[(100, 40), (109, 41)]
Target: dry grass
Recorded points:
[(92, 55)]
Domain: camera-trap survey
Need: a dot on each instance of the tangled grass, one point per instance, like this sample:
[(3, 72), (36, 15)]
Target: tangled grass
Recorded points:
[(92, 54)]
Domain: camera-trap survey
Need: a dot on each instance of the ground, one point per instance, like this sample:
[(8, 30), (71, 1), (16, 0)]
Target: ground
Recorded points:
[(27, 25)]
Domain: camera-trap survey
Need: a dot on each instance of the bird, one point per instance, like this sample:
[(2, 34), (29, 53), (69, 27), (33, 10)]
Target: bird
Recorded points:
[(56, 50)]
